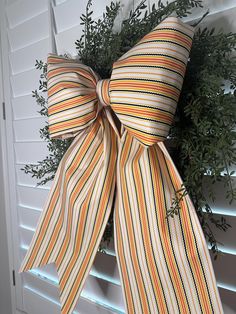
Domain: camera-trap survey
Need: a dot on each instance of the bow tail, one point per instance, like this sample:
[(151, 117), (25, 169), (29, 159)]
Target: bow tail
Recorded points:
[(164, 262), (72, 224)]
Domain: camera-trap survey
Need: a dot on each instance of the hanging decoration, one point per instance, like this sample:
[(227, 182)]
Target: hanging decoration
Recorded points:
[(202, 135), (163, 261)]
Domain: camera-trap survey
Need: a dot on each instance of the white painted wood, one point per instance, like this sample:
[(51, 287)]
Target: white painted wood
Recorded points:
[(30, 152), (26, 179), (67, 15), (33, 299), (226, 238), (20, 312), (9, 173), (28, 216), (225, 271), (229, 304), (65, 41), (23, 83), (95, 289), (25, 34), (25, 107), (85, 307), (221, 204), (23, 10), (24, 59), (59, 1), (32, 197), (214, 6), (21, 128), (224, 20), (6, 295)]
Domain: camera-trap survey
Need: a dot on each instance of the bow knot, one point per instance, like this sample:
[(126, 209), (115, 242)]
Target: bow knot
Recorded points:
[(102, 90), (143, 90)]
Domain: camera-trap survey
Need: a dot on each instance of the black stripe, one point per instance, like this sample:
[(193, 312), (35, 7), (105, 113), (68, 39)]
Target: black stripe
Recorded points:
[(150, 237), (55, 224), (164, 41), (169, 233), (151, 54), (142, 106), (145, 80), (195, 241), (67, 81), (81, 189), (122, 200), (171, 28), (141, 92), (68, 71), (102, 224), (146, 66), (157, 219), (129, 115), (75, 106)]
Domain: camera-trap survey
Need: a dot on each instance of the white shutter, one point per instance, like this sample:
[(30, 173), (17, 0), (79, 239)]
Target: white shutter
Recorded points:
[(222, 16), (29, 30), (30, 34)]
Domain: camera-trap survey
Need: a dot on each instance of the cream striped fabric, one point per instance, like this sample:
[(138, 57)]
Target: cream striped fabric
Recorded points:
[(164, 262)]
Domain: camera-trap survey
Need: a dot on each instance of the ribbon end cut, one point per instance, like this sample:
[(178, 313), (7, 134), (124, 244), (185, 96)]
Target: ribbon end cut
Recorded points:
[(69, 289)]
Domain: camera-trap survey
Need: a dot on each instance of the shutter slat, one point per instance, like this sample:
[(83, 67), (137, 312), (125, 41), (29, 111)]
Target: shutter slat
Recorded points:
[(23, 10), (24, 59), (225, 270), (220, 204), (25, 107), (24, 34), (65, 41), (30, 152), (26, 179), (226, 238), (229, 300), (28, 130), (28, 216), (23, 83), (67, 14), (32, 197), (34, 297), (94, 288), (224, 19)]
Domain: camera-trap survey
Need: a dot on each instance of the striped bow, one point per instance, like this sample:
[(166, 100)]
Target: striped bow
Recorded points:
[(164, 262)]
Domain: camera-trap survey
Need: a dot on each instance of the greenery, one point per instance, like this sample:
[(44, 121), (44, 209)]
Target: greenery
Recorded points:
[(203, 134)]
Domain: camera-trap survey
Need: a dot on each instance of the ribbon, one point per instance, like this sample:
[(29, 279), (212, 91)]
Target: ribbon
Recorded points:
[(164, 262)]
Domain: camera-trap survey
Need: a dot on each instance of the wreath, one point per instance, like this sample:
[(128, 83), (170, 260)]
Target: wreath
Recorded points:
[(201, 140)]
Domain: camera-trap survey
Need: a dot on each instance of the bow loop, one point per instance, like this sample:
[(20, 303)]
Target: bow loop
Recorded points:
[(72, 98), (146, 81)]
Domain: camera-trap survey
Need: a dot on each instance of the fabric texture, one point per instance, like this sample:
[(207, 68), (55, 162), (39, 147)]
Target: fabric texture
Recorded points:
[(164, 262)]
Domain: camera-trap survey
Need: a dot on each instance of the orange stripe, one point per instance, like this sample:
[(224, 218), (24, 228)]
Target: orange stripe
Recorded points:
[(102, 206), (191, 243), (154, 156), (130, 233), (145, 227)]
